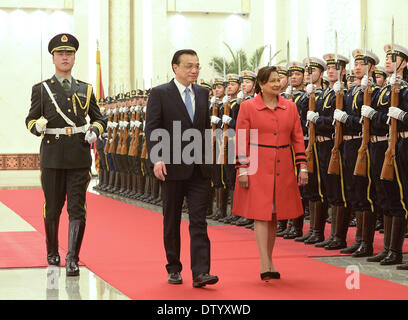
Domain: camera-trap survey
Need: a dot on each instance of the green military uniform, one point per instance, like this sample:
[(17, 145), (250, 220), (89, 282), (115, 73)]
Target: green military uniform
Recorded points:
[(65, 157)]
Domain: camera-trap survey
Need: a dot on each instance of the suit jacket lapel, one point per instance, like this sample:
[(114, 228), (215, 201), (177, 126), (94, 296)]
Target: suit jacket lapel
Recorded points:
[(197, 104), (176, 97)]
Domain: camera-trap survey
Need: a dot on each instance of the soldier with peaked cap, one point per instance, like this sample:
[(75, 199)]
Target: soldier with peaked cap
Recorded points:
[(65, 157), (380, 76), (329, 187), (317, 66), (247, 78), (208, 86), (100, 144), (283, 77), (350, 77), (359, 190), (217, 172), (391, 195)]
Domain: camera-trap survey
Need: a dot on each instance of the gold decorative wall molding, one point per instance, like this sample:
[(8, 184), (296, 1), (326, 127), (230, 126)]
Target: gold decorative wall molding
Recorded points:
[(20, 161)]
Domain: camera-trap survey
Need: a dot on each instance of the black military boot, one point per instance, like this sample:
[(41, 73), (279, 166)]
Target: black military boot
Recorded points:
[(51, 239), (123, 183), (220, 205), (140, 187), (281, 226), (148, 188), (368, 230), (288, 226), (128, 189), (359, 234), (116, 186), (394, 255), (333, 222), (296, 230), (380, 221), (100, 180), (342, 224), (309, 233), (111, 181), (319, 210), (133, 187), (387, 240), (155, 190), (105, 179), (75, 236)]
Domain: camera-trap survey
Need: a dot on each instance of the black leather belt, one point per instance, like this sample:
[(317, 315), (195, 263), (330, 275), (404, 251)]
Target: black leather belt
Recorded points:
[(269, 146)]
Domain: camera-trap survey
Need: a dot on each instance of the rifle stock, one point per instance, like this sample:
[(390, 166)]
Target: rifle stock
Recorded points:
[(387, 172), (112, 144), (106, 149), (361, 167), (334, 164), (312, 136), (131, 151), (124, 149)]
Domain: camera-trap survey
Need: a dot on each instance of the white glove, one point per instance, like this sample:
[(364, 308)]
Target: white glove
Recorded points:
[(396, 113), (340, 116), (225, 99), (120, 110), (367, 111), (215, 119), (364, 82), (114, 124), (213, 99), (393, 79), (226, 119), (90, 137), (114, 111), (108, 112), (132, 108), (125, 124), (138, 124), (240, 95), (39, 129), (132, 124), (144, 109), (337, 87), (310, 88), (104, 135), (312, 116), (289, 91)]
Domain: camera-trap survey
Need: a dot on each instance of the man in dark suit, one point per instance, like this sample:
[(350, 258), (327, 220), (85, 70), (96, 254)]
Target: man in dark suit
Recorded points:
[(182, 104), (59, 108)]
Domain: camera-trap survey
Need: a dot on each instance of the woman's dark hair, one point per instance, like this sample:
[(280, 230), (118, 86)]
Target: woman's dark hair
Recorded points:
[(263, 76), (177, 54)]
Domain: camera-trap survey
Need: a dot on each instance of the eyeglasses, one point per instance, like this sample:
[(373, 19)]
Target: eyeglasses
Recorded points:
[(191, 66)]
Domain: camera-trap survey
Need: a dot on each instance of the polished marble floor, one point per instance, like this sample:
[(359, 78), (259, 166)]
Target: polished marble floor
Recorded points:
[(51, 283)]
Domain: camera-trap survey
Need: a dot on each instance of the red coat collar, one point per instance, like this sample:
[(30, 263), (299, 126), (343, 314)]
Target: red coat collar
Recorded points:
[(260, 105)]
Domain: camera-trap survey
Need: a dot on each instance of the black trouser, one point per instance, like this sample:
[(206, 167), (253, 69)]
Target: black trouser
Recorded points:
[(314, 190), (217, 174), (60, 183), (229, 175), (196, 189), (359, 190)]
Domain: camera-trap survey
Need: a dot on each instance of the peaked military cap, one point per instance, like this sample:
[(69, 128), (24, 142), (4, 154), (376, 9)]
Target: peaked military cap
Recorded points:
[(380, 70), (358, 54), (133, 94), (315, 62), (232, 77), (296, 66), (399, 50), (63, 42), (330, 58), (219, 82), (248, 74), (205, 84), (282, 70)]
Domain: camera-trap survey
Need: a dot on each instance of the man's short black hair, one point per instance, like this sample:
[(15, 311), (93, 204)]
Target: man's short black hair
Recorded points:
[(177, 54)]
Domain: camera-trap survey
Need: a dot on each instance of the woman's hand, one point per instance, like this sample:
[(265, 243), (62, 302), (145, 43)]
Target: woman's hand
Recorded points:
[(243, 179), (303, 178)]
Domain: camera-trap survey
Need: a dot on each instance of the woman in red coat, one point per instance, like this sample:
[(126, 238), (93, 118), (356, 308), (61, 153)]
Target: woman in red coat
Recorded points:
[(266, 187)]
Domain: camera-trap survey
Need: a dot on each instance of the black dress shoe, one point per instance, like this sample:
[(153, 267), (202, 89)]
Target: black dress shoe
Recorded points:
[(72, 268), (175, 278), (203, 279)]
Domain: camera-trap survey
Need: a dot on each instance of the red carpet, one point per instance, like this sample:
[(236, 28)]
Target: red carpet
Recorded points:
[(123, 245)]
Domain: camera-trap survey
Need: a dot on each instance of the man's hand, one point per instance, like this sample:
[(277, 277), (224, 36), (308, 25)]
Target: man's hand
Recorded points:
[(90, 137), (367, 111), (226, 119), (160, 171), (396, 113), (39, 128), (340, 115), (312, 116)]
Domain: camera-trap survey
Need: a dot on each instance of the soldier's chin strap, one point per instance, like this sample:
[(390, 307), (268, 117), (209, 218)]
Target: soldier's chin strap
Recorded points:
[(57, 108)]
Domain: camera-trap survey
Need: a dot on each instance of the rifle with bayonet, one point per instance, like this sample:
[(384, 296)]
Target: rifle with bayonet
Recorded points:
[(334, 164), (361, 164), (311, 126)]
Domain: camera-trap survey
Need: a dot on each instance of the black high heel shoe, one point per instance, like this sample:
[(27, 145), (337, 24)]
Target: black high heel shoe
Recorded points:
[(265, 276)]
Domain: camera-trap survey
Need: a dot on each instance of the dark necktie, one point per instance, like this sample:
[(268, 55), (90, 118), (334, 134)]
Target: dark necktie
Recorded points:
[(66, 86)]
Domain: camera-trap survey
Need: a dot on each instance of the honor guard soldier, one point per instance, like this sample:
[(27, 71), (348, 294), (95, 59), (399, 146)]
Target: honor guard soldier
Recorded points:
[(350, 77), (380, 76), (58, 113), (388, 170), (217, 172), (208, 86), (283, 77), (293, 92), (317, 67), (100, 144), (359, 189), (247, 78), (328, 189)]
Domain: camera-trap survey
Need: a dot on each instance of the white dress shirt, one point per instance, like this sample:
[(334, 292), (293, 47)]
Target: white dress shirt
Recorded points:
[(182, 89)]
